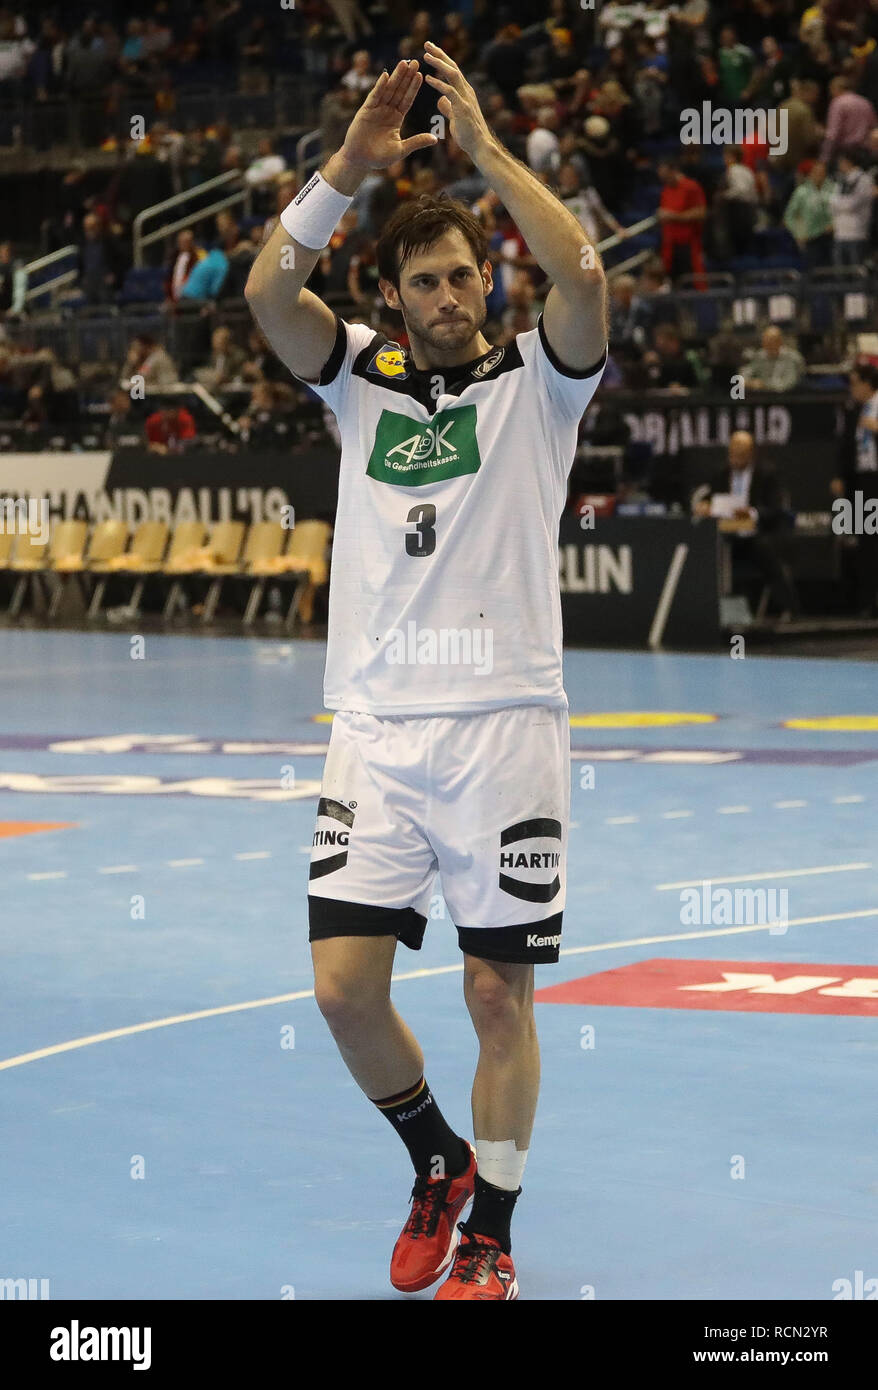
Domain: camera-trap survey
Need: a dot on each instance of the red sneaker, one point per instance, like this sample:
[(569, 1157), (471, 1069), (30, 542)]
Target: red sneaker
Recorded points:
[(480, 1270), (427, 1242)]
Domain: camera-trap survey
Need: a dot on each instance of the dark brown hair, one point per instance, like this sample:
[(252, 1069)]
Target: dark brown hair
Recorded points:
[(867, 372), (418, 224)]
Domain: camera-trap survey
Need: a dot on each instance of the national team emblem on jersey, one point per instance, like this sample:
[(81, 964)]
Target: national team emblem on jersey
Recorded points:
[(411, 452), (332, 833), (489, 363), (530, 854), (390, 361)]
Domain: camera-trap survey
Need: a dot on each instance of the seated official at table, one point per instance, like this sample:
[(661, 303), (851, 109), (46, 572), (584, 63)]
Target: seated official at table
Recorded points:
[(756, 514)]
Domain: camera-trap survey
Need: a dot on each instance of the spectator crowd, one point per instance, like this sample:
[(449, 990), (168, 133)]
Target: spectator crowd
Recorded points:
[(589, 99)]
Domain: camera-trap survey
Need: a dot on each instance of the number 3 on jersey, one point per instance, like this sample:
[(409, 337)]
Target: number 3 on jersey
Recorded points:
[(423, 540)]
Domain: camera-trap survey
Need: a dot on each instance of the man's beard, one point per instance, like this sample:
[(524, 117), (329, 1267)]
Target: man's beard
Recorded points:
[(446, 339)]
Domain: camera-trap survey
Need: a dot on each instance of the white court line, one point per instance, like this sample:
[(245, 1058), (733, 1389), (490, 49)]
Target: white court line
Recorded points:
[(421, 974), (183, 863), (61, 873), (119, 869), (787, 805), (620, 820), (773, 873), (716, 931), (147, 1027), (255, 854), (731, 810), (676, 815), (846, 800), (101, 668)]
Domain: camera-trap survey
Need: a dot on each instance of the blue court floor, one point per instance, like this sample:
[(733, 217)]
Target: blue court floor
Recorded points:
[(221, 1151)]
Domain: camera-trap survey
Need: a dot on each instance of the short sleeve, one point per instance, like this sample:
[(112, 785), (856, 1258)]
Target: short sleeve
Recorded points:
[(569, 390), (335, 377)]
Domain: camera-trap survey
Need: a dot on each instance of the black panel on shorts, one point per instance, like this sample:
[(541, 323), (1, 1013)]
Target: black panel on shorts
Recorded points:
[(536, 942), (334, 917)]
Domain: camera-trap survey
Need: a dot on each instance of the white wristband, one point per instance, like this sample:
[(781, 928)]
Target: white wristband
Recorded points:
[(315, 212)]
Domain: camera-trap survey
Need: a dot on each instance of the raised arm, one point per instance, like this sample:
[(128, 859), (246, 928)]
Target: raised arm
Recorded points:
[(298, 325), (575, 315)]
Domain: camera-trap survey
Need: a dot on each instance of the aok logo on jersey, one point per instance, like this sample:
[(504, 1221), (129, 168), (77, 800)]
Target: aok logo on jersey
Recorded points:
[(410, 453), (530, 856), (332, 833)]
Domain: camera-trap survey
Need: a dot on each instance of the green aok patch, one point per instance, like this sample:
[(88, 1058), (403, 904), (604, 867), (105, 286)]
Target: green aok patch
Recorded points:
[(409, 453)]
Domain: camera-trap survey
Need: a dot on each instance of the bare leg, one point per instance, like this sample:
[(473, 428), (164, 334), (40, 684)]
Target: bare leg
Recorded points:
[(352, 989), (500, 1001)]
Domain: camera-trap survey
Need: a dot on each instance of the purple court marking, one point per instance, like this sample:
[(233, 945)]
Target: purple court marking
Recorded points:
[(192, 743)]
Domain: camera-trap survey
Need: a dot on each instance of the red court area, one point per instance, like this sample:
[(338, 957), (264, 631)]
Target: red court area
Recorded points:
[(750, 986)]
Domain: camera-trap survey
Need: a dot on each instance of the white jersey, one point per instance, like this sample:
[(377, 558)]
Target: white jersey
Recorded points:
[(444, 594)]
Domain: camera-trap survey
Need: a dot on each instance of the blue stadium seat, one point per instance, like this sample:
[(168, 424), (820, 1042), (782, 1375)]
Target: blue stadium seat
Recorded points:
[(767, 277), (144, 285), (703, 312), (837, 296), (820, 305), (101, 339)]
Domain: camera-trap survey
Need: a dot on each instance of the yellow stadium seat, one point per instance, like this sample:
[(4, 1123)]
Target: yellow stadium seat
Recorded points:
[(66, 556), (223, 550), (265, 543), (144, 558)]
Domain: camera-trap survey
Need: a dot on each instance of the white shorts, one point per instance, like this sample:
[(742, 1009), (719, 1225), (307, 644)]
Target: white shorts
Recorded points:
[(481, 799)]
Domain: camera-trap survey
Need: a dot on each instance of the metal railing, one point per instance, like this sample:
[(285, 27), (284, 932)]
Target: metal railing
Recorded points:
[(81, 123), (611, 242), (631, 264), (142, 239), (306, 163), (52, 285), (644, 225)]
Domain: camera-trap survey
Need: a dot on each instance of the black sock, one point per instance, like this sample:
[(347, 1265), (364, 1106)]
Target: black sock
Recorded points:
[(492, 1212), (435, 1149)]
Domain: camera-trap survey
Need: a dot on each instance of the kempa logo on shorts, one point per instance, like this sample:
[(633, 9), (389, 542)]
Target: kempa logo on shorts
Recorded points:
[(411, 453), (717, 125), (335, 811), (75, 1343), (537, 828), (544, 940)]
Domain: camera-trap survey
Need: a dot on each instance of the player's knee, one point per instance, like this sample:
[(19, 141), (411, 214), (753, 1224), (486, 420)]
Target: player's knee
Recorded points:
[(496, 1006), (346, 1002)]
